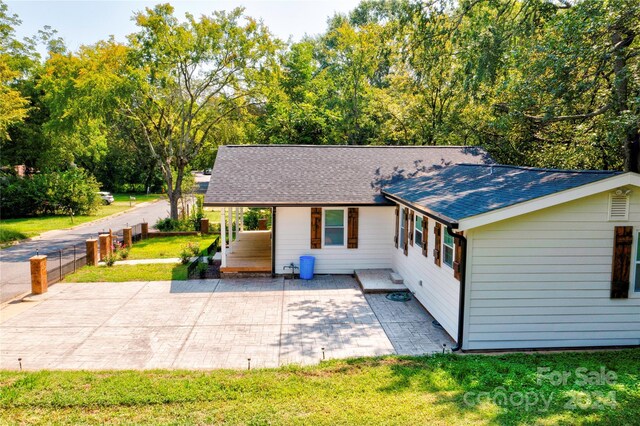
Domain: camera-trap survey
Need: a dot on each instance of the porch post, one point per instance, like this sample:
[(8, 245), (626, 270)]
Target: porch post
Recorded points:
[(242, 218), (230, 229), (237, 210), (223, 236)]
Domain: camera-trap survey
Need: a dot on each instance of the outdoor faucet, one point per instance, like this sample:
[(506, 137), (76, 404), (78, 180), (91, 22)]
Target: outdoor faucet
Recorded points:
[(293, 269)]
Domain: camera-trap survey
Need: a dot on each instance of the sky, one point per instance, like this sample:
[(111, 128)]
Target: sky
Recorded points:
[(86, 22)]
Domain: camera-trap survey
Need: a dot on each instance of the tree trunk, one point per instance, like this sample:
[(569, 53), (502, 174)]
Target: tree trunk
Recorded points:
[(631, 141), (176, 193), (173, 206)]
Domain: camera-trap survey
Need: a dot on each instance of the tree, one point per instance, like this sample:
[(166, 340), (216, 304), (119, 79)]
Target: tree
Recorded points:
[(560, 78), (13, 106), (190, 77)]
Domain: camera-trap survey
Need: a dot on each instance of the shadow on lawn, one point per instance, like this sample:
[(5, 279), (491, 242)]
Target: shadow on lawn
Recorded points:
[(509, 389)]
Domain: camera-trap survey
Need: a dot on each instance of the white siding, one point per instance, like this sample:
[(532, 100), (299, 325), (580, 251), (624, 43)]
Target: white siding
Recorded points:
[(543, 280), (439, 291), (375, 241)]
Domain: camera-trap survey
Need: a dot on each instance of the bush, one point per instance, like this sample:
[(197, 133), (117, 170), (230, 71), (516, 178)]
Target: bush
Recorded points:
[(168, 225), (72, 192), (198, 212), (251, 218), (110, 259), (124, 252), (202, 270), (185, 255), (194, 247)]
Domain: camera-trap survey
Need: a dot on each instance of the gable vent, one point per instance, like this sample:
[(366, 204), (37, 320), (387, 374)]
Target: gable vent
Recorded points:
[(619, 206)]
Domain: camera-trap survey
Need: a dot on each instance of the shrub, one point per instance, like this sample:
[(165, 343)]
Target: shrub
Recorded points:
[(185, 255), (194, 247), (72, 192), (198, 212), (124, 252), (110, 259), (168, 225), (251, 218), (210, 260), (202, 270)]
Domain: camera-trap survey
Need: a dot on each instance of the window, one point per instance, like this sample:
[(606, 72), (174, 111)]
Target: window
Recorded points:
[(447, 249), (636, 265), (401, 236), (334, 227), (418, 236)]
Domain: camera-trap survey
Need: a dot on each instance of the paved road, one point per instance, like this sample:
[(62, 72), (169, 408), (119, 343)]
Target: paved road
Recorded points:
[(14, 261)]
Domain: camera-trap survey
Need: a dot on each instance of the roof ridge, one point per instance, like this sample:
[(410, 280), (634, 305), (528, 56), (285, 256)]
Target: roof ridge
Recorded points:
[(541, 169), (350, 146)]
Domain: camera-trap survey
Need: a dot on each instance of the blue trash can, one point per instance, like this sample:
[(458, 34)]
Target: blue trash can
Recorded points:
[(306, 267)]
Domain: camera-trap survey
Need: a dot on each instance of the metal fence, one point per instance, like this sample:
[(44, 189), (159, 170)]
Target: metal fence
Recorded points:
[(65, 261), (69, 259)]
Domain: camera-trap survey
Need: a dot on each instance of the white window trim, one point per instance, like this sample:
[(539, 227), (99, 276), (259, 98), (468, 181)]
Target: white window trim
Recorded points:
[(415, 230), (344, 228), (453, 249)]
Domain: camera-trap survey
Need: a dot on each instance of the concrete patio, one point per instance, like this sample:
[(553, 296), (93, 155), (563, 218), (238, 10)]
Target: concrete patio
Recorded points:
[(209, 324)]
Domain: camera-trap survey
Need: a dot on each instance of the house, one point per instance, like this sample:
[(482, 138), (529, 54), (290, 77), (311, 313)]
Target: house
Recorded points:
[(503, 257)]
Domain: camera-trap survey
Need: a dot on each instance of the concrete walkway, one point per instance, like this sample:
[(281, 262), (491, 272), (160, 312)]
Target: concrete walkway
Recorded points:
[(205, 324)]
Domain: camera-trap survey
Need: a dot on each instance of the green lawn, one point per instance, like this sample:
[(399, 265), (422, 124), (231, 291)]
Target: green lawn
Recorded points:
[(167, 246), (212, 215), (439, 390), (17, 229), (120, 273)]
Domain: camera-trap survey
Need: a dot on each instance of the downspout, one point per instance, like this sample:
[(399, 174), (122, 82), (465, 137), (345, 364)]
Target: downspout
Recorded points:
[(273, 242), (463, 275)]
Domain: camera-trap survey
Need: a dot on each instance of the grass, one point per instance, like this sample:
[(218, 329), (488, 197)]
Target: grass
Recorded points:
[(17, 229), (121, 273), (212, 215), (167, 247), (376, 391)]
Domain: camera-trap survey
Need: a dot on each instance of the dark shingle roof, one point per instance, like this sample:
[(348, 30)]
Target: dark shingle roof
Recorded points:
[(464, 190), (329, 174)]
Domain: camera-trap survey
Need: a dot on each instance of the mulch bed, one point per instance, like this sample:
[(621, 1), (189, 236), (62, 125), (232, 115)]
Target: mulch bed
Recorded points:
[(213, 271)]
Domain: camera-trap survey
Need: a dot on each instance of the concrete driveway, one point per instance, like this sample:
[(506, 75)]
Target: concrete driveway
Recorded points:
[(209, 324)]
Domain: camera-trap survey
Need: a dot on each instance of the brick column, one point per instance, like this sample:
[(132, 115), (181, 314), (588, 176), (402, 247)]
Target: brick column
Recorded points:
[(144, 226), (38, 274), (127, 237), (92, 252), (204, 225), (104, 245), (110, 247)]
